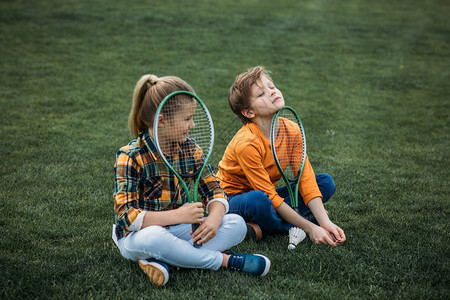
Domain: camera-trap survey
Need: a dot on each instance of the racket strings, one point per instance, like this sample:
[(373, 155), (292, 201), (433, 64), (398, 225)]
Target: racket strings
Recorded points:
[(289, 144), (184, 134), (202, 134)]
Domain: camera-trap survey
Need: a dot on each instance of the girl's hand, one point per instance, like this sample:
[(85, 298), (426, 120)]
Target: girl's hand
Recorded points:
[(207, 230), (190, 213)]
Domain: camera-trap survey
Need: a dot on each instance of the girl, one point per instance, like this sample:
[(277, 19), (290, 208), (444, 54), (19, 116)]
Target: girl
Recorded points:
[(153, 219)]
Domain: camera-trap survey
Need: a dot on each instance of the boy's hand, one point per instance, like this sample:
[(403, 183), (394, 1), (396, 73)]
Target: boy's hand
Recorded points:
[(336, 232), (328, 234), (319, 235)]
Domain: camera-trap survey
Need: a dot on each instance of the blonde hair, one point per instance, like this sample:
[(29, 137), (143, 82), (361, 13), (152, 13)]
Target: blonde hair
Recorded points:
[(240, 91), (148, 94)]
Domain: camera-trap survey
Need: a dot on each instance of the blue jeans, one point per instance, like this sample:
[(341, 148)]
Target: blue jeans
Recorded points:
[(256, 207), (174, 245)]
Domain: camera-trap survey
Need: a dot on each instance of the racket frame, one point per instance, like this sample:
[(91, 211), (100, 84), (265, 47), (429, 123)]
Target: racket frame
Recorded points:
[(180, 177), (293, 194)]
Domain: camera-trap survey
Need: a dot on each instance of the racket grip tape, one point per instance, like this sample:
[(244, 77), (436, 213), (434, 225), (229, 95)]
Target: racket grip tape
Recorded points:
[(194, 228)]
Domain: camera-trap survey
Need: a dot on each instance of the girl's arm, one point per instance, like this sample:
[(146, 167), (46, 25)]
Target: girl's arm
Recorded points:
[(188, 213), (216, 205), (126, 179), (208, 229)]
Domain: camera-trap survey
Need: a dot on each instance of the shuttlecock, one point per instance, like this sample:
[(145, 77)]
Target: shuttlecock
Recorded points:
[(296, 235)]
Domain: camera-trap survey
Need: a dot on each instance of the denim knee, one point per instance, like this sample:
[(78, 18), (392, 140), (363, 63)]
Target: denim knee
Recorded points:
[(251, 205), (326, 185), (259, 203)]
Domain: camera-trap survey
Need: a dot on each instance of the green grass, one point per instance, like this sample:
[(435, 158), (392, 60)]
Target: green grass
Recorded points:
[(370, 80)]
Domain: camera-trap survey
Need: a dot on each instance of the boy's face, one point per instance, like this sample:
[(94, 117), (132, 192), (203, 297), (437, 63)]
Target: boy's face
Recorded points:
[(265, 98)]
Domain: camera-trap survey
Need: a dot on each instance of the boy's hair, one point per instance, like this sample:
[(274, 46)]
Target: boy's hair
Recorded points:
[(240, 92), (149, 92)]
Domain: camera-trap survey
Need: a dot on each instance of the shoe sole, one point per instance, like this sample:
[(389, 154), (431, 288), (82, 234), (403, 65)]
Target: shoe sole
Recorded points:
[(267, 268), (254, 232), (155, 272)]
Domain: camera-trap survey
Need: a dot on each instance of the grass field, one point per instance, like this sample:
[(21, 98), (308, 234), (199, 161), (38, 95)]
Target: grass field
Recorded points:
[(370, 80)]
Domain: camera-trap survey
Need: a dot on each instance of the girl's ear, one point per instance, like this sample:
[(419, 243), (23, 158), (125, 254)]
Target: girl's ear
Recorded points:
[(161, 120), (248, 113)]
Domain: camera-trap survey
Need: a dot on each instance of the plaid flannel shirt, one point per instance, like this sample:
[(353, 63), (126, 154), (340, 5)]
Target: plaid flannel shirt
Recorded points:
[(144, 183)]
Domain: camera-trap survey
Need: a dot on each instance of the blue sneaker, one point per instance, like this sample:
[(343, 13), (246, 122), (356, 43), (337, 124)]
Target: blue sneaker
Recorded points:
[(157, 271), (254, 264)]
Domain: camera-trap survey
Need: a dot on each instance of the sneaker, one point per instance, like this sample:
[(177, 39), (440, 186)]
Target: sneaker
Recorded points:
[(254, 264), (157, 271), (254, 232)]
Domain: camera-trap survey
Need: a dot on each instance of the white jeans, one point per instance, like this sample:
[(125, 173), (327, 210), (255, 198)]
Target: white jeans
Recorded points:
[(174, 245)]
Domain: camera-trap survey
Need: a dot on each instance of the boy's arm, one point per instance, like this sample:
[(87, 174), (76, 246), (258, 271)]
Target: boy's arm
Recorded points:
[(317, 234), (319, 212), (308, 187), (250, 160)]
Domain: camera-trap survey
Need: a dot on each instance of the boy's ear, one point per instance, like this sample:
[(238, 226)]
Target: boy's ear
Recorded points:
[(248, 113)]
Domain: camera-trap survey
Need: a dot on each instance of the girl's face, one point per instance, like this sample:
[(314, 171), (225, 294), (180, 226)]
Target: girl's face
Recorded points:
[(181, 123)]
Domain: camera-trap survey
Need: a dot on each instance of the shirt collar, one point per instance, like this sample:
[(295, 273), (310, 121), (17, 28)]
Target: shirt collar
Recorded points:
[(145, 137)]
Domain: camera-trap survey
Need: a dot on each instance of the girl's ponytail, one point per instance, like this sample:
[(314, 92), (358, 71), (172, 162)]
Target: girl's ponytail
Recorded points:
[(135, 120), (148, 94)]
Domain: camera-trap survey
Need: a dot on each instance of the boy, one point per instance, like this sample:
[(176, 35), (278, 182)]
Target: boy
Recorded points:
[(248, 174)]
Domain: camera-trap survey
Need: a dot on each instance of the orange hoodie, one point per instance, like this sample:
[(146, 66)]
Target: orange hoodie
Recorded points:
[(248, 164)]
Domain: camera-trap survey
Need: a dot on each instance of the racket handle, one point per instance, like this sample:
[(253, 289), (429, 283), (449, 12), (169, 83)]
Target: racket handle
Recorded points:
[(194, 228)]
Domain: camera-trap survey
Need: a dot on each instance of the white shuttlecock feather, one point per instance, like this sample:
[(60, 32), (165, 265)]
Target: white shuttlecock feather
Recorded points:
[(296, 235)]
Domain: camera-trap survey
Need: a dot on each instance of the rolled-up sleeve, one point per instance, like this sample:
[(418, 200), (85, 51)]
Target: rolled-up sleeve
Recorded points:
[(126, 193), (308, 187)]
